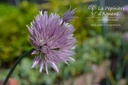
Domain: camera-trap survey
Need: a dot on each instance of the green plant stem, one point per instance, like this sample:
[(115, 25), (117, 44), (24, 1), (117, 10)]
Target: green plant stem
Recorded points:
[(15, 64), (119, 61)]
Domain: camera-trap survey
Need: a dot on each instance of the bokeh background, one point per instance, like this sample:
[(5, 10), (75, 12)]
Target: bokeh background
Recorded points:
[(102, 42)]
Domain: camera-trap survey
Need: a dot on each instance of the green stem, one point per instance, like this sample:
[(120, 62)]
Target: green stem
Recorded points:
[(15, 64)]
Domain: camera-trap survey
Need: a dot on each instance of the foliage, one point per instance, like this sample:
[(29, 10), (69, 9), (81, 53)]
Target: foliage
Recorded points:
[(13, 31)]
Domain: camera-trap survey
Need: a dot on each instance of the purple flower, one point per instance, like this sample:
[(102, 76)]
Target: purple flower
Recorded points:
[(125, 10), (52, 38)]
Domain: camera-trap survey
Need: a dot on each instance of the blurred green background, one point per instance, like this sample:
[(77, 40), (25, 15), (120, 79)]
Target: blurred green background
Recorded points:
[(95, 44)]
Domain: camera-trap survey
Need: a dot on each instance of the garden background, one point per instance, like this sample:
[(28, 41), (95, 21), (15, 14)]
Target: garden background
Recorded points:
[(102, 43)]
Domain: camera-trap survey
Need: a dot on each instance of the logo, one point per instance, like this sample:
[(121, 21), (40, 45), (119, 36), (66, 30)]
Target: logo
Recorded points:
[(92, 8), (105, 14)]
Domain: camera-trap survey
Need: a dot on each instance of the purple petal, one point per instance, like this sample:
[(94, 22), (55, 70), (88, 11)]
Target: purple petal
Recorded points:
[(35, 61), (41, 65), (54, 66), (68, 15), (70, 59), (46, 67), (35, 52)]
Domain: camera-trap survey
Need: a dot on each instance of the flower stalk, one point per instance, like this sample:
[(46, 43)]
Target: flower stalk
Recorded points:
[(15, 64)]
